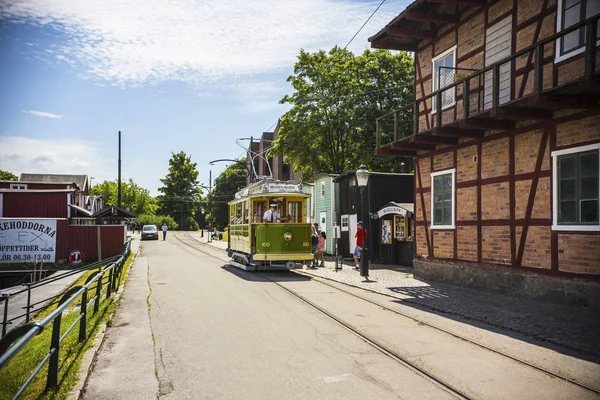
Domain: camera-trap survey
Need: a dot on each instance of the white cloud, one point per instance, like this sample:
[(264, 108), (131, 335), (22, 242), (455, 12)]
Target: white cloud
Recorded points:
[(208, 44), (43, 114), (56, 156)]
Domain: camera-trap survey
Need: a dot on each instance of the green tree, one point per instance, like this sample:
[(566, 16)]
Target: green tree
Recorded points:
[(226, 185), (137, 198), (337, 97), (8, 176), (180, 194), (158, 220)]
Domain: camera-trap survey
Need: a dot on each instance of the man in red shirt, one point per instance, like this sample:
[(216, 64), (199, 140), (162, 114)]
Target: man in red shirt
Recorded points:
[(361, 234)]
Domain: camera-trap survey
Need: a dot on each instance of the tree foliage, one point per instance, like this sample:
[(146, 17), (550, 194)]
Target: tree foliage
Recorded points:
[(226, 185), (8, 176), (135, 197), (337, 98), (180, 194), (158, 220)]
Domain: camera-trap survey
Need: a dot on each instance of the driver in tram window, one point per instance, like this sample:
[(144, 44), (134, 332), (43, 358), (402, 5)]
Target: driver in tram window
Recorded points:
[(271, 215)]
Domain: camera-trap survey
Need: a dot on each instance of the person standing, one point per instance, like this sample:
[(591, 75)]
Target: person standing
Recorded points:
[(271, 215), (314, 238), (321, 248), (164, 229), (361, 234)]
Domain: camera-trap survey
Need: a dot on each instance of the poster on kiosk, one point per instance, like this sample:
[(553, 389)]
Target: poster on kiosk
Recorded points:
[(25, 240)]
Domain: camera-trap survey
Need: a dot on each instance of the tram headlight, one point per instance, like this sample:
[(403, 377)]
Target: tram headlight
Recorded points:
[(287, 236)]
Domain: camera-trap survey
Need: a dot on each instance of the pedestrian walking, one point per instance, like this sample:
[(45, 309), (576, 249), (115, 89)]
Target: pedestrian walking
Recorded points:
[(314, 238), (361, 234), (164, 229), (321, 248)]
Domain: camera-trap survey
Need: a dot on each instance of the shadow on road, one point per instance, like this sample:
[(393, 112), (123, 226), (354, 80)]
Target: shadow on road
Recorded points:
[(262, 276), (569, 330)]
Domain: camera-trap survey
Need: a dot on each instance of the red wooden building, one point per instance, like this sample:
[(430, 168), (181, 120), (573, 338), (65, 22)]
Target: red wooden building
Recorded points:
[(505, 132), (62, 198)]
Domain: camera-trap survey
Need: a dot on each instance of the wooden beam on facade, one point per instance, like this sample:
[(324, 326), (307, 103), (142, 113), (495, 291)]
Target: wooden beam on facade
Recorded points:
[(457, 132), (487, 124), (520, 113), (392, 45), (429, 139), (409, 33), (557, 102), (432, 17), (412, 146), (462, 2)]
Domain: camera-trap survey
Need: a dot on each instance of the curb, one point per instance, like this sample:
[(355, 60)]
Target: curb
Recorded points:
[(90, 357)]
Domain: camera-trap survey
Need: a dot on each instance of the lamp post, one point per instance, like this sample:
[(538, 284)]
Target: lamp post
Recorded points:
[(362, 179)]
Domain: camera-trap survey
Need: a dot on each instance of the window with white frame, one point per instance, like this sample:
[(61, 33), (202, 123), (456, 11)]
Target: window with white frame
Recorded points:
[(344, 222), (322, 189), (576, 184), (570, 12), (443, 76), (442, 199), (18, 186)]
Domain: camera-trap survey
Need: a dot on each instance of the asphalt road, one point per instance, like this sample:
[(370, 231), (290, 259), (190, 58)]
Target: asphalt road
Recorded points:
[(191, 327)]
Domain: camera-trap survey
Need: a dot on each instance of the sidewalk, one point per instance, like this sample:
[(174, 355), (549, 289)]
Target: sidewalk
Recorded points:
[(567, 326), (18, 303)]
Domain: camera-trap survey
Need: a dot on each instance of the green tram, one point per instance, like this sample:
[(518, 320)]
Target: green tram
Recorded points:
[(257, 245)]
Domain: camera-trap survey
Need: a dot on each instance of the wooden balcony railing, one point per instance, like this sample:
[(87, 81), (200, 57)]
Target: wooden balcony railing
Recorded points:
[(524, 85)]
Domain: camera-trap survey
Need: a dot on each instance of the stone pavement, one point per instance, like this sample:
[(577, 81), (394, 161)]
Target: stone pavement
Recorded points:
[(570, 327)]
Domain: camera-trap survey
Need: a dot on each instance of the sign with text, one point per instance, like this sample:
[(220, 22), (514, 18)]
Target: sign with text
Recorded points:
[(27, 240)]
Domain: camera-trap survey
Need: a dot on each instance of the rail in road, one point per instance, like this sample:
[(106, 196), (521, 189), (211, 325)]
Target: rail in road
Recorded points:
[(408, 362)]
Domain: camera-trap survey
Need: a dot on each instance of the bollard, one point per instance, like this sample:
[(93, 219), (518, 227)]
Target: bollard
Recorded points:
[(52, 380), (83, 320), (6, 297), (364, 263), (28, 302)]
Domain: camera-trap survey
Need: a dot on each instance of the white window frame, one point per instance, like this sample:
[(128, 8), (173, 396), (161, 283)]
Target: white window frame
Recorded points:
[(344, 223), (559, 16), (18, 186), (452, 207), (322, 189), (555, 155), (434, 78)]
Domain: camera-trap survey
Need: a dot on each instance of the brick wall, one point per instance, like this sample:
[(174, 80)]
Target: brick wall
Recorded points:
[(575, 253), (579, 253)]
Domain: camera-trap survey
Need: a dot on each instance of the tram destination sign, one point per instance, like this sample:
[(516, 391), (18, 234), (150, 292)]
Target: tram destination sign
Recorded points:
[(27, 240)]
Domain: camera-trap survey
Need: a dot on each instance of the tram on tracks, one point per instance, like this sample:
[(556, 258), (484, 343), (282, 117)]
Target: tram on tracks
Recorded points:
[(278, 243)]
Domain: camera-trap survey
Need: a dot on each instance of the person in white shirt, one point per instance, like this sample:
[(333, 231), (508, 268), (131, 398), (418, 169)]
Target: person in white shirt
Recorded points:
[(271, 215), (164, 229)]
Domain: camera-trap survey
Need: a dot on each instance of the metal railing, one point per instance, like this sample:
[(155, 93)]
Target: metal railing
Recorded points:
[(487, 88), (17, 339), (30, 308)]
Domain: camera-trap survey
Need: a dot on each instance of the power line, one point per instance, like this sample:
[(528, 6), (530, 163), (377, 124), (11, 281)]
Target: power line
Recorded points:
[(363, 25)]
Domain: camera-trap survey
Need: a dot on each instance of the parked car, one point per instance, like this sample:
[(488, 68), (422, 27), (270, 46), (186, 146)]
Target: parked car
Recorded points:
[(149, 232)]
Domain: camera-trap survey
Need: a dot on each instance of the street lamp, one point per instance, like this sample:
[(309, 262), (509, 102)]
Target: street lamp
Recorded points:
[(362, 179)]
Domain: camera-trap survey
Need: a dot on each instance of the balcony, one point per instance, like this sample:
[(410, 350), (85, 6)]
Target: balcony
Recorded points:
[(529, 85)]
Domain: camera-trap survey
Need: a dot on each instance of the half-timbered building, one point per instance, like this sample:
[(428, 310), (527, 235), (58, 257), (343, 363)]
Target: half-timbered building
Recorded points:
[(505, 133)]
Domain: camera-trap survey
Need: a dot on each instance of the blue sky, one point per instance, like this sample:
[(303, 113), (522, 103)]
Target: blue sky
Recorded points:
[(172, 75)]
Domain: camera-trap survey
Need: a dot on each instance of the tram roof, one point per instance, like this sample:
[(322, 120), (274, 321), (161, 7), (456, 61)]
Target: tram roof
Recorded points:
[(270, 188)]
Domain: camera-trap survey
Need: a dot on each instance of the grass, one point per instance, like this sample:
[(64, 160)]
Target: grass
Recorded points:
[(71, 351)]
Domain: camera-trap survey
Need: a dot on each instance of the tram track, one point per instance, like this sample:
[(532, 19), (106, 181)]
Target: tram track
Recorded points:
[(381, 348)]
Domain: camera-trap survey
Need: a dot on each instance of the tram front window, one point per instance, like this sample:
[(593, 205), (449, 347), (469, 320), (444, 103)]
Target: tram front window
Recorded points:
[(295, 211)]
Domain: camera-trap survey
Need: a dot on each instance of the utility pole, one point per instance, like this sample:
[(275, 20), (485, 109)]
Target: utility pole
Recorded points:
[(119, 181)]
